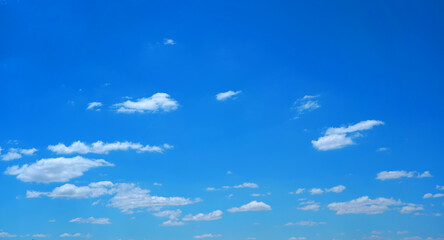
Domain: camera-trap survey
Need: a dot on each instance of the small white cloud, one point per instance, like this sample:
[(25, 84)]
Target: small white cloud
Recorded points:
[(336, 138), (251, 206), (100, 147), (91, 220), (93, 190), (310, 207), (7, 235), (260, 194), (298, 191), (441, 188), (388, 175), (173, 217), (314, 191), (402, 232), (411, 208), (246, 185), (306, 104), (157, 184), (430, 195), (168, 41), (366, 205), (75, 235), (297, 238), (39, 235), (304, 223), (215, 215), (94, 105), (55, 169), (336, 189), (16, 153), (208, 235), (382, 149), (226, 95), (157, 102)]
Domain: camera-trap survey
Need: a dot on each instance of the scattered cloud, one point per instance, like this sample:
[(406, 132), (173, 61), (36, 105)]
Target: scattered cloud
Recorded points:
[(251, 206), (91, 220), (94, 105), (93, 190), (336, 138), (17, 153), (100, 147), (304, 223), (157, 102), (298, 191), (173, 217), (382, 149), (336, 189), (215, 215), (430, 195), (388, 175), (310, 207), (208, 235), (306, 104), (226, 95), (169, 41), (7, 235), (441, 188), (75, 235), (243, 185), (366, 205), (55, 169), (297, 238), (315, 191), (411, 207), (260, 194)]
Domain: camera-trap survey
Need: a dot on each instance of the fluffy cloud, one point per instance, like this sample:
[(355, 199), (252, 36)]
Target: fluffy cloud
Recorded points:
[(7, 235), (91, 220), (315, 191), (55, 169), (100, 147), (155, 103), (298, 191), (441, 188), (305, 104), (304, 223), (430, 195), (17, 153), (94, 105), (75, 235), (226, 95), (388, 175), (336, 189), (215, 215), (251, 206), (168, 41), (371, 206), (309, 207), (208, 235), (93, 190), (173, 217), (336, 138)]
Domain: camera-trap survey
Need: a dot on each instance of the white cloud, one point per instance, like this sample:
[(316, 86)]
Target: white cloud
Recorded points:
[(251, 206), (310, 207), (298, 191), (215, 215), (16, 153), (157, 184), (430, 195), (441, 188), (336, 138), (260, 194), (388, 175), (92, 220), (208, 235), (39, 235), (95, 105), (100, 147), (305, 104), (168, 41), (55, 169), (304, 223), (226, 95), (371, 206), (7, 235), (314, 191), (402, 232), (336, 189), (243, 185), (93, 190), (297, 238), (75, 235), (382, 149), (155, 103), (173, 217)]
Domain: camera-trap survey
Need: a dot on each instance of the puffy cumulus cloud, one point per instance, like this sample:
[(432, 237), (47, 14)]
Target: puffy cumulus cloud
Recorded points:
[(130, 197), (208, 235), (366, 205), (336, 138), (91, 220), (169, 41), (55, 169), (94, 105), (336, 189), (157, 102), (7, 235), (215, 215), (100, 147), (75, 235), (251, 206), (93, 190), (389, 175), (315, 191), (304, 223), (431, 195), (226, 95), (17, 153), (173, 217), (306, 104)]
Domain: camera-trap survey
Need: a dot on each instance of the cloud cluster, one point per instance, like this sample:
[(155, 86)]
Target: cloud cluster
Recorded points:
[(55, 169), (366, 205), (309, 206), (226, 95), (173, 217), (100, 147), (336, 138), (91, 220), (17, 153), (215, 215), (251, 206), (157, 102), (388, 175)]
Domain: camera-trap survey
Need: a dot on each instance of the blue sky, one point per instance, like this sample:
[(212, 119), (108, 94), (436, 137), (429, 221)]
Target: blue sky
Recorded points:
[(265, 120)]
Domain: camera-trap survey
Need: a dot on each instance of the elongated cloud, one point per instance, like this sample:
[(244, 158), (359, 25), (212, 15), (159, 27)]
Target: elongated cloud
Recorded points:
[(365, 205), (91, 220), (336, 138), (215, 215), (207, 235), (306, 104), (251, 206), (243, 185), (173, 217), (94, 105), (304, 223), (157, 102), (100, 147), (93, 190), (55, 169), (226, 95), (389, 175)]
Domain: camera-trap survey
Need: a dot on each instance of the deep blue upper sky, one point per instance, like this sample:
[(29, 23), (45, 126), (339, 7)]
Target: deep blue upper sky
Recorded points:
[(291, 74)]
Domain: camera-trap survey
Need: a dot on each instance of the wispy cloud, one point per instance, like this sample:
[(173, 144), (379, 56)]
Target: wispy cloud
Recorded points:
[(306, 104), (157, 102), (100, 147), (94, 105), (91, 220), (215, 215), (226, 95), (169, 41), (365, 205), (389, 175), (207, 235)]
